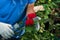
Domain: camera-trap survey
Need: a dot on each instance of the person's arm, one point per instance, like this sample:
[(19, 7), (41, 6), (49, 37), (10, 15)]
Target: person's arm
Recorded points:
[(31, 17), (30, 13), (30, 8)]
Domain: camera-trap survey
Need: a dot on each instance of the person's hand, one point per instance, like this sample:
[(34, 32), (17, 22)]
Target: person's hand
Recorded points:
[(30, 20), (39, 8), (6, 31)]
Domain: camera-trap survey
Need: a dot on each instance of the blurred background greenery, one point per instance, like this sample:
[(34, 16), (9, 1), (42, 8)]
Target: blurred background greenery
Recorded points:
[(50, 22)]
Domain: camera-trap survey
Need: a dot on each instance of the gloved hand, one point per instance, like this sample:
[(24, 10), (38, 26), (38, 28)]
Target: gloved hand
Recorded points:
[(6, 31), (37, 24), (30, 20)]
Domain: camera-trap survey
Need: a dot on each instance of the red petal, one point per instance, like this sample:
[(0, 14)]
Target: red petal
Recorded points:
[(31, 15), (31, 22), (27, 22)]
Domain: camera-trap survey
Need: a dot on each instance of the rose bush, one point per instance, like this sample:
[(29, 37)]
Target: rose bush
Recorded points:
[(49, 28)]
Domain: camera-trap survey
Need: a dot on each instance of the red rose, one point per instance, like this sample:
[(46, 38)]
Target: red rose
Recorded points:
[(31, 15), (29, 22)]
